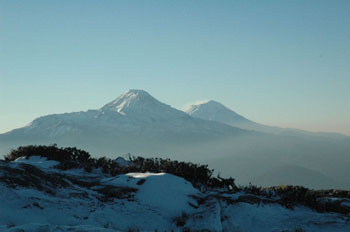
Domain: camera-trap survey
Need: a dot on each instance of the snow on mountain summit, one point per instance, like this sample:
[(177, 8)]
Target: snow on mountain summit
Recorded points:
[(130, 100), (138, 102), (213, 110)]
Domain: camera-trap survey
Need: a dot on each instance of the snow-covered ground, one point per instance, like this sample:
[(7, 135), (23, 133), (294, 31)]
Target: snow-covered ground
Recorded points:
[(74, 200), (38, 161)]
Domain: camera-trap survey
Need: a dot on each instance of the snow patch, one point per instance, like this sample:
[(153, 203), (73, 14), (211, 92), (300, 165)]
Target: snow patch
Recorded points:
[(122, 162), (170, 194), (38, 161)]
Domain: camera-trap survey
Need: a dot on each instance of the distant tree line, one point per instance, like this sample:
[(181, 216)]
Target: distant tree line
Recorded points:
[(71, 157)]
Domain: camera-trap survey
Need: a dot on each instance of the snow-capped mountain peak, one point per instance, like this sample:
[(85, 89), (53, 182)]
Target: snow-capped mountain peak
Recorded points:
[(131, 100), (211, 110), (208, 106), (140, 104), (215, 111)]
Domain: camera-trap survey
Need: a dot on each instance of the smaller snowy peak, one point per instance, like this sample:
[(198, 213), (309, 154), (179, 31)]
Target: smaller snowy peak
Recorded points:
[(212, 110), (215, 111), (209, 105)]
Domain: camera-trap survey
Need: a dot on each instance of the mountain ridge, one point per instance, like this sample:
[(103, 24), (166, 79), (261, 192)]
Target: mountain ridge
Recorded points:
[(215, 111)]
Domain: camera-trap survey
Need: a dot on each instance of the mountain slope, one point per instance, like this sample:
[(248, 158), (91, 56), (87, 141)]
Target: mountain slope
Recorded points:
[(140, 104), (215, 111)]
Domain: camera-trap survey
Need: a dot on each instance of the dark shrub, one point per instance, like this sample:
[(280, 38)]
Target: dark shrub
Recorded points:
[(71, 157)]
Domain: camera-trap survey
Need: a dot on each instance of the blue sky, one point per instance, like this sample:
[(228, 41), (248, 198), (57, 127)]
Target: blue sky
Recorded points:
[(283, 63)]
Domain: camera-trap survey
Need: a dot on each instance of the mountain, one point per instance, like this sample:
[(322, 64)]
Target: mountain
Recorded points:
[(139, 103), (134, 120), (139, 124), (280, 155), (215, 111), (36, 194)]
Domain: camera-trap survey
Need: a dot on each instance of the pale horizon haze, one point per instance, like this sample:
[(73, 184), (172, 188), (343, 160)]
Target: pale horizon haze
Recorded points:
[(280, 63)]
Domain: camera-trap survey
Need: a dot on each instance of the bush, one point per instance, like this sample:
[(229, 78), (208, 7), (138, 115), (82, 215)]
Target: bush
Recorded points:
[(71, 157)]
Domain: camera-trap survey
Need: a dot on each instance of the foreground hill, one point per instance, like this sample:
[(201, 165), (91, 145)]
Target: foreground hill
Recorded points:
[(40, 193)]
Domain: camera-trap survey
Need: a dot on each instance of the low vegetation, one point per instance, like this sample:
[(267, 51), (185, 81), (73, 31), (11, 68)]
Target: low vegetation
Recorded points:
[(291, 196), (199, 175)]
